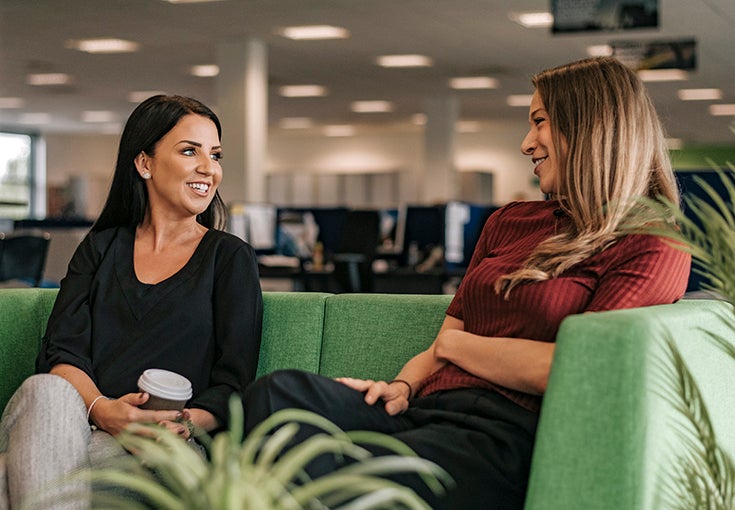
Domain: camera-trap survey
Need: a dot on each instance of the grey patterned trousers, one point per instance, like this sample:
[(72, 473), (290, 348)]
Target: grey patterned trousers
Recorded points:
[(44, 436)]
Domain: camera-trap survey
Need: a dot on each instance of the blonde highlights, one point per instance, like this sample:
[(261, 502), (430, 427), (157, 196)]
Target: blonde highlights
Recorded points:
[(615, 153)]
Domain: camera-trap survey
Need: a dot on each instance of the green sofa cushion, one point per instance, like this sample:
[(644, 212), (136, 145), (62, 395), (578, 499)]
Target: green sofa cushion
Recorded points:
[(373, 335), (292, 331)]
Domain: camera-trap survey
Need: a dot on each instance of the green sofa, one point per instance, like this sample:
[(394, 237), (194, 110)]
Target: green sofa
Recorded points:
[(606, 431)]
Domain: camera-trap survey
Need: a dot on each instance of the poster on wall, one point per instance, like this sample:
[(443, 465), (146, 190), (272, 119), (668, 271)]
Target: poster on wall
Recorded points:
[(603, 15)]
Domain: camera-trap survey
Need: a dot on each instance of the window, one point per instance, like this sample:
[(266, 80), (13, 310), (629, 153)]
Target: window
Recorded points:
[(16, 175)]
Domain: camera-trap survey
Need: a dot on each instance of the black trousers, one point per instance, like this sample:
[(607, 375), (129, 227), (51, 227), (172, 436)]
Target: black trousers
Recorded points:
[(482, 439)]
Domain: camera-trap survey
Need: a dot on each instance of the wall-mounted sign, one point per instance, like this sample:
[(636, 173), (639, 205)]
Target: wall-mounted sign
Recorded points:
[(673, 54), (603, 15)]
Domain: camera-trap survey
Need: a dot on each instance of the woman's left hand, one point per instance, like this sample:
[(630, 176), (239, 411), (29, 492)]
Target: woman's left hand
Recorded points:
[(394, 395), (179, 427)]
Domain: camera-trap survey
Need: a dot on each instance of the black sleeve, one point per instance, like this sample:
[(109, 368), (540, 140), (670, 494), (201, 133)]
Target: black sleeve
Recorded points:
[(238, 312), (69, 330)]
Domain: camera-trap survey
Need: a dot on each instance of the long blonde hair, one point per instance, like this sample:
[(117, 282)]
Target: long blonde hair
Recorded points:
[(616, 153)]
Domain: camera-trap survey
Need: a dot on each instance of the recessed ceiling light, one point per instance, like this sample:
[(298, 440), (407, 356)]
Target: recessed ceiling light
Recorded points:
[(419, 119), (371, 106), (404, 61), (467, 126), (532, 19), (103, 45), (139, 96), (34, 118), (699, 94), (12, 102), (42, 79), (662, 75), (302, 91), (519, 100), (98, 116), (204, 71), (339, 130), (313, 32), (473, 82), (725, 110), (295, 122), (600, 50)]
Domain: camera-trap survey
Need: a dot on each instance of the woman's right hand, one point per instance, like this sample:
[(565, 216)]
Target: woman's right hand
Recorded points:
[(114, 416), (395, 396)]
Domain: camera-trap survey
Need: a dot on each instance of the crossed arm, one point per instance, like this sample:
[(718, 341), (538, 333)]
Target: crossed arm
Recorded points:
[(515, 363)]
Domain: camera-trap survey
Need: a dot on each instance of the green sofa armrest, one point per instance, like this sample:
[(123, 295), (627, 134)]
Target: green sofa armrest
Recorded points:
[(23, 316), (606, 430), (374, 335)]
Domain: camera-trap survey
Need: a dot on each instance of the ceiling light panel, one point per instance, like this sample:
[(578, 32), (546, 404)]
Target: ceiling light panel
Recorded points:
[(404, 61), (302, 91), (339, 130), (473, 82), (295, 123), (725, 110), (519, 100), (98, 116), (532, 19), (43, 79), (700, 94), (650, 75), (371, 106), (35, 118), (204, 71), (600, 50), (12, 102), (313, 32), (105, 45)]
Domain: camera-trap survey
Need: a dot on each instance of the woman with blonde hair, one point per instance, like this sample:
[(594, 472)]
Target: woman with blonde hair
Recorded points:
[(470, 402)]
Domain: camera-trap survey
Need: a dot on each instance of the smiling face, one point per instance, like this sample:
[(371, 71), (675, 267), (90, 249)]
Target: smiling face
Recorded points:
[(539, 145), (184, 169)]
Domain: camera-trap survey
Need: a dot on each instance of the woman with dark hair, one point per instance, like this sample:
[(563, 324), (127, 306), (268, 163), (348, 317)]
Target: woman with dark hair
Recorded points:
[(155, 284), (470, 402)]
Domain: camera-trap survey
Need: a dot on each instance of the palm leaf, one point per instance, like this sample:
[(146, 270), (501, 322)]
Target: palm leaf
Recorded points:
[(263, 471)]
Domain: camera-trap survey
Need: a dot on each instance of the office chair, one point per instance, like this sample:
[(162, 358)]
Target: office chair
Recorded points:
[(23, 257), (358, 245)]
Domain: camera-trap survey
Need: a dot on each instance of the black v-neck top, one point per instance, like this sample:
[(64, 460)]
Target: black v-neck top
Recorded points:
[(203, 322)]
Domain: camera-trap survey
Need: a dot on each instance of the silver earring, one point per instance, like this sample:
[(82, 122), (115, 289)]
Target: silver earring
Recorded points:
[(146, 175)]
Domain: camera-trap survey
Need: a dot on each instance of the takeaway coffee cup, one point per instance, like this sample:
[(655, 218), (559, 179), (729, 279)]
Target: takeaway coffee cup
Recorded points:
[(167, 390)]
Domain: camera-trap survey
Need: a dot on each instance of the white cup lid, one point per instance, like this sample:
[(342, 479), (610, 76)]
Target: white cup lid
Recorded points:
[(165, 384)]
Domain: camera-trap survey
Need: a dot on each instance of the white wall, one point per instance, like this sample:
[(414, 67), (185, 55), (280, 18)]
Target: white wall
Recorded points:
[(307, 163), (85, 161)]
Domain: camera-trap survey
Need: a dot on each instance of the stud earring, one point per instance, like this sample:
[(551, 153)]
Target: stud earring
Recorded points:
[(146, 175)]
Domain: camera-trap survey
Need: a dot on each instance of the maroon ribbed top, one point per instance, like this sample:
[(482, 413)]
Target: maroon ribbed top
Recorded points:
[(638, 270)]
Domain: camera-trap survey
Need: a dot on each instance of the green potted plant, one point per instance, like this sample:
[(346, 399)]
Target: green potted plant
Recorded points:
[(259, 472)]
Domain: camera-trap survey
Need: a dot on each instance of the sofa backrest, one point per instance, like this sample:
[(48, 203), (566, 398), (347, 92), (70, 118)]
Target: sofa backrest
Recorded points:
[(292, 332), (372, 335), (293, 323)]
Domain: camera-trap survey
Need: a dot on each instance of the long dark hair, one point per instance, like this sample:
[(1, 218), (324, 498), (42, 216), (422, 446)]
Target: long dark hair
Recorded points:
[(127, 200)]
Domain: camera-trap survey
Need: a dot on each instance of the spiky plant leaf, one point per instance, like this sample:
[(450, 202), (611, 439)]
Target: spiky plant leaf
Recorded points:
[(263, 471), (703, 474)]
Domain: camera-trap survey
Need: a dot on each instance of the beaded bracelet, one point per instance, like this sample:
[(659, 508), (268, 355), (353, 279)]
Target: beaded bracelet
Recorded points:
[(410, 389)]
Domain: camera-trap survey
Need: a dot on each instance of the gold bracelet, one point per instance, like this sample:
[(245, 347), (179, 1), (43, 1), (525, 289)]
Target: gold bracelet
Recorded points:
[(410, 389)]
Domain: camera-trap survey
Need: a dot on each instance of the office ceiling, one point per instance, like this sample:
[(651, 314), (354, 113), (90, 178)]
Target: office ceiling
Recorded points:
[(463, 37)]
